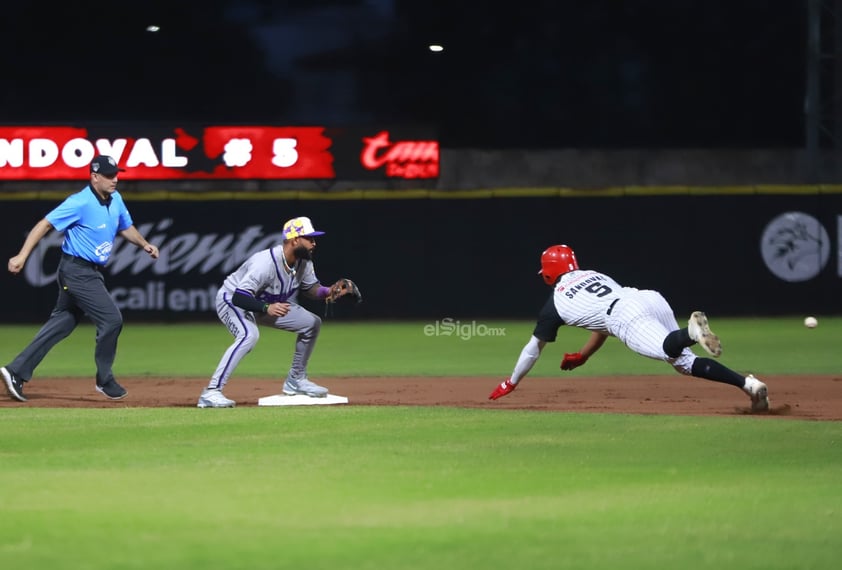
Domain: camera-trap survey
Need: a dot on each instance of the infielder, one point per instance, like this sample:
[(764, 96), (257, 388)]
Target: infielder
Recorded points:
[(264, 291), (641, 319)]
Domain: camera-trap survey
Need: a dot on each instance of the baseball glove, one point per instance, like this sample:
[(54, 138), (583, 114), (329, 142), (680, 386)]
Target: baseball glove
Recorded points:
[(344, 288)]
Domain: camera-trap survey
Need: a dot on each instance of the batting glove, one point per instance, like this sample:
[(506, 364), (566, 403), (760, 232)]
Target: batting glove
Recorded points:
[(502, 390), (571, 361)]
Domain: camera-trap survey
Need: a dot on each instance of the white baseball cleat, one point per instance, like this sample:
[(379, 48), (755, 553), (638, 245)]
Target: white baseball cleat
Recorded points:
[(304, 387), (700, 332), (758, 393), (214, 399)]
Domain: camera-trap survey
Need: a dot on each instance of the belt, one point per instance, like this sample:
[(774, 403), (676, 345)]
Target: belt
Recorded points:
[(79, 261), (611, 306)]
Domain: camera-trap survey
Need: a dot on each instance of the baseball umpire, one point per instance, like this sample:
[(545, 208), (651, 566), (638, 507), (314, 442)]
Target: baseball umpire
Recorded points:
[(90, 220)]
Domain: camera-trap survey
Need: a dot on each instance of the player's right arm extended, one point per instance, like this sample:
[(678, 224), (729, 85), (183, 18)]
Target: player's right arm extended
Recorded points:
[(528, 357)]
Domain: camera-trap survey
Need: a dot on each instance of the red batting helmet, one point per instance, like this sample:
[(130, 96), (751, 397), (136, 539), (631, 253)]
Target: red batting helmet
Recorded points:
[(556, 261)]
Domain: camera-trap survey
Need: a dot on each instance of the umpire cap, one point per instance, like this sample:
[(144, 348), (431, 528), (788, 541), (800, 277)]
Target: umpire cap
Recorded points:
[(105, 165)]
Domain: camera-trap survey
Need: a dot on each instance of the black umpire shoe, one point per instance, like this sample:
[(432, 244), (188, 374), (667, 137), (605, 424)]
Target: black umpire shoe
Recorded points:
[(14, 384), (112, 390)]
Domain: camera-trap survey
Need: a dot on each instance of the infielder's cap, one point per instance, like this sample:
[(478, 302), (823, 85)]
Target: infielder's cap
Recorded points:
[(105, 165), (300, 227)]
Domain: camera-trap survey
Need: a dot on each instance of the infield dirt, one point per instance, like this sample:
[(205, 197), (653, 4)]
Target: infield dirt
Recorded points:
[(816, 397)]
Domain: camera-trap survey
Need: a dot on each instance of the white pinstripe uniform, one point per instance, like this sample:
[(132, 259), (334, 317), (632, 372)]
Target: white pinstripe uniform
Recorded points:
[(267, 277), (640, 318)]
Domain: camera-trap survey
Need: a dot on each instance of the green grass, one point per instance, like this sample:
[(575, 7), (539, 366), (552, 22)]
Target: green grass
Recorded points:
[(416, 487), (762, 345)]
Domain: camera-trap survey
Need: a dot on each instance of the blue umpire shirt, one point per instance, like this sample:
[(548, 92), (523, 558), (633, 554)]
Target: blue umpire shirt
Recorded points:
[(90, 224)]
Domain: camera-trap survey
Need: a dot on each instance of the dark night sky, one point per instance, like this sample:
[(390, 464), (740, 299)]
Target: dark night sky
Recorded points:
[(597, 73)]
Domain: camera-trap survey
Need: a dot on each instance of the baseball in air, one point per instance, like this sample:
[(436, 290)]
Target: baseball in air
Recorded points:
[(811, 322)]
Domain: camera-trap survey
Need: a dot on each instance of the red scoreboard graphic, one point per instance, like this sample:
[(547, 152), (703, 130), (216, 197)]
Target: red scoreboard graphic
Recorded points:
[(219, 152)]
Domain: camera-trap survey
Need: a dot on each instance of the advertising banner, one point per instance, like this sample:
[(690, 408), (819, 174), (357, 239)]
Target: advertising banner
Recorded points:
[(206, 152), (456, 260)]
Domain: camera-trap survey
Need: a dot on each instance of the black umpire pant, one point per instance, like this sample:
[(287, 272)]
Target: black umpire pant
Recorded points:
[(81, 291)]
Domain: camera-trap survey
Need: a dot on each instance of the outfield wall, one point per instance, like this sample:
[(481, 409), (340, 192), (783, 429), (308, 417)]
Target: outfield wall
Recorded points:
[(428, 255)]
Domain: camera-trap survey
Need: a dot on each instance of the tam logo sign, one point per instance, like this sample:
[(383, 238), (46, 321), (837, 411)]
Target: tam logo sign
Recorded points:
[(403, 159)]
